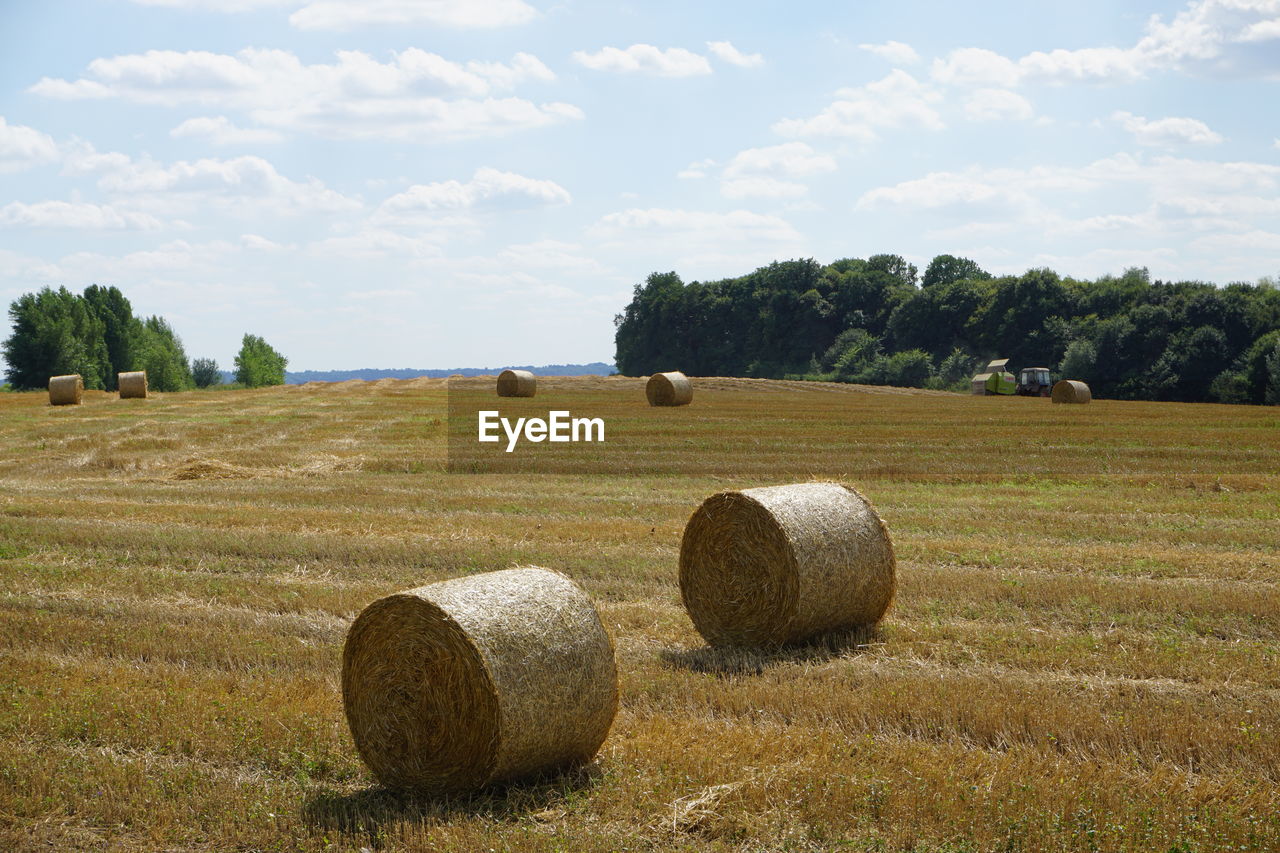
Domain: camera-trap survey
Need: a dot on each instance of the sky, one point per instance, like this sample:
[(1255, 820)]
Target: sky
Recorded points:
[(471, 183)]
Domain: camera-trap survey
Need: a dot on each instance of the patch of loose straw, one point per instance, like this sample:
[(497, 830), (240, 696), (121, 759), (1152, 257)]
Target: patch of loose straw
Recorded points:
[(668, 389), (782, 564), (477, 680)]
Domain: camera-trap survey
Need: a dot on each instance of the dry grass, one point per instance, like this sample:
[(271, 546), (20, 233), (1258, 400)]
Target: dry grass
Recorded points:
[(1084, 652)]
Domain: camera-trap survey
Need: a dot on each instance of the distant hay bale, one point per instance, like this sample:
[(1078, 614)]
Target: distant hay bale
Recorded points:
[(488, 678), (668, 389), (66, 390), (517, 383), (781, 564), (132, 384), (1071, 391)]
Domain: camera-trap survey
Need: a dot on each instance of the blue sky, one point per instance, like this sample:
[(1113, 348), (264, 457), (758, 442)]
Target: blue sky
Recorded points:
[(448, 183)]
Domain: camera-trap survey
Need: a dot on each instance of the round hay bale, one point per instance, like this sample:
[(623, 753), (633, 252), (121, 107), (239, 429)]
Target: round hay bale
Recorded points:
[(132, 385), (1071, 391), (669, 389), (66, 390), (488, 678), (781, 564), (517, 383)]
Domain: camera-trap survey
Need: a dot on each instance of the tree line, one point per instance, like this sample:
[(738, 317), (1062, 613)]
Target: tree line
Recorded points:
[(878, 321), (96, 335)]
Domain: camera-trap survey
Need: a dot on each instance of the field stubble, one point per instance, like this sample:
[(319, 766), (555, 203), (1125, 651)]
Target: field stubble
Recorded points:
[(1084, 652)]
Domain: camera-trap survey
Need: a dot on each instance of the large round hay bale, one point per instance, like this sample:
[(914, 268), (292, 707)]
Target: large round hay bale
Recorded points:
[(132, 384), (668, 389), (454, 685), (1071, 391), (517, 383), (782, 564), (66, 390)]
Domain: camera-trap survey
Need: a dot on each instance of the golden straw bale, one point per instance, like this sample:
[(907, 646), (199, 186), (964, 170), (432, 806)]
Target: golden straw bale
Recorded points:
[(132, 384), (517, 383), (1071, 391), (482, 679), (668, 389), (781, 564), (66, 390)]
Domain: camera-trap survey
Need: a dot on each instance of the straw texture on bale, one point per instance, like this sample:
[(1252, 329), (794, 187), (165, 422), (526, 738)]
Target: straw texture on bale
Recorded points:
[(133, 384), (781, 564), (517, 383), (1071, 391), (488, 678), (66, 390), (668, 389)]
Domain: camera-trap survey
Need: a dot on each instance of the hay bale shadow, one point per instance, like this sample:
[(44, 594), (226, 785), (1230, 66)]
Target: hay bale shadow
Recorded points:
[(368, 812), (730, 661)]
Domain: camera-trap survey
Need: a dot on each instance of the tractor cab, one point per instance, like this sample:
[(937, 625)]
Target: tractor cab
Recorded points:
[(1034, 382)]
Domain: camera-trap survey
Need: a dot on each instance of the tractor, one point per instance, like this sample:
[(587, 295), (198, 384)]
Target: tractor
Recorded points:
[(1034, 382), (1031, 381)]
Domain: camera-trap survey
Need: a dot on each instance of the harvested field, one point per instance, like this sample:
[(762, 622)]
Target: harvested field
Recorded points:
[(1083, 653)]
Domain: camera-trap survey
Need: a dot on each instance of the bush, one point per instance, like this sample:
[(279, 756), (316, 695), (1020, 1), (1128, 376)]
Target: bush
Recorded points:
[(908, 369), (258, 364), (205, 373)]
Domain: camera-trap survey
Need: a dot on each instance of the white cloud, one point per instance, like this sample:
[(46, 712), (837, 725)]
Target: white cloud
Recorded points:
[(219, 130), (218, 5), (379, 243), (898, 100), (487, 187), (1166, 131), (1093, 64), (726, 52), (895, 52), (975, 66), (550, 255), (335, 15), (22, 147), (700, 244), (416, 96), (702, 227), (761, 187), (462, 14), (646, 59), (793, 159), (1135, 206), (74, 215), (698, 168), (1214, 37), (239, 180), (997, 105)]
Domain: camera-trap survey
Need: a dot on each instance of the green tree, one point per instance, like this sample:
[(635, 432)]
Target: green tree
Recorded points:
[(258, 364), (54, 333), (163, 357), (1271, 395), (956, 370), (945, 269), (122, 333), (908, 369), (1079, 360), (205, 373)]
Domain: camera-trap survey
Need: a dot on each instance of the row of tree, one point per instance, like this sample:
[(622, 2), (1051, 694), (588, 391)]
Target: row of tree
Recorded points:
[(878, 321), (96, 335)]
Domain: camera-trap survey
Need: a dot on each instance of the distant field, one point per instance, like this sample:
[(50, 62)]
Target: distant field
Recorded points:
[(1084, 653)]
